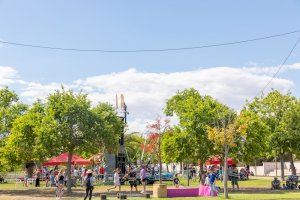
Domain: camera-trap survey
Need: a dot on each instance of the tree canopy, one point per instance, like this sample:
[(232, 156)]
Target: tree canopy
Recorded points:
[(64, 122), (195, 113)]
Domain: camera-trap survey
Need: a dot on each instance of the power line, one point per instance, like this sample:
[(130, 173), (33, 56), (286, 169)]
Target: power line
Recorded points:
[(149, 50), (279, 68)]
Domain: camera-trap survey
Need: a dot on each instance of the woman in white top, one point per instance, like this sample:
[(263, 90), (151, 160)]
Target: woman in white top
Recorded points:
[(116, 180)]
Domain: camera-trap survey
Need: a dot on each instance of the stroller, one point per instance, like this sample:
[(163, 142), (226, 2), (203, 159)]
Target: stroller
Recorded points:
[(275, 184), (292, 182)]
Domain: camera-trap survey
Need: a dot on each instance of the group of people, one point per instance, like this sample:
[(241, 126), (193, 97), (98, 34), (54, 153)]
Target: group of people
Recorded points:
[(130, 176), (88, 183), (134, 175)]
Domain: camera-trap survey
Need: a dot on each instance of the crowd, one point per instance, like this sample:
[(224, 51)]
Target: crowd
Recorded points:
[(86, 178), (134, 175)]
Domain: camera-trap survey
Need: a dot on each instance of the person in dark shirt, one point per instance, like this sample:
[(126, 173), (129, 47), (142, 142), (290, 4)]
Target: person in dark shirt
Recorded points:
[(131, 175), (176, 181)]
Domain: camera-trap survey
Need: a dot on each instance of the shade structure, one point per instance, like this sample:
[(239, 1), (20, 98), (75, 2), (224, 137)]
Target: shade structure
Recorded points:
[(217, 160), (63, 159)]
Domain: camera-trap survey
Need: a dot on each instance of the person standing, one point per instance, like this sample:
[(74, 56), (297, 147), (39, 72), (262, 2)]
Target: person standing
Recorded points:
[(101, 172), (143, 178), (60, 180), (89, 184), (47, 178), (221, 174), (52, 178), (76, 175), (37, 177), (212, 179), (131, 175), (234, 177)]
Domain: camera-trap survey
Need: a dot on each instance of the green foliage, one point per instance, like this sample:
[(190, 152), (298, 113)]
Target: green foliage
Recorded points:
[(195, 113), (108, 126), (276, 110), (133, 146), (66, 122), (21, 145), (254, 144), (10, 109), (177, 146)]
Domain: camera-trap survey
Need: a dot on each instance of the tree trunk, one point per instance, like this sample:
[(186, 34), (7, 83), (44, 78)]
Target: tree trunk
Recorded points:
[(276, 166), (69, 185), (160, 161), (293, 169), (255, 168), (282, 166), (188, 175), (30, 168), (168, 168), (225, 171), (180, 168), (200, 167)]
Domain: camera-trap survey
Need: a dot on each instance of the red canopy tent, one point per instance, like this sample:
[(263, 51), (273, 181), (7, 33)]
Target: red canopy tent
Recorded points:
[(63, 159), (217, 160)]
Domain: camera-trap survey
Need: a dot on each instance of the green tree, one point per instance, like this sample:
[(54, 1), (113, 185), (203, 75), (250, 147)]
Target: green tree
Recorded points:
[(133, 146), (177, 146), (254, 144), (227, 132), (290, 126), (23, 146), (195, 113), (275, 109), (10, 109), (78, 127), (109, 127)]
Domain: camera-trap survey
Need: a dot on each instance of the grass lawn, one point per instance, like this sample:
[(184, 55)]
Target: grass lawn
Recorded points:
[(255, 188), (269, 196), (253, 182)]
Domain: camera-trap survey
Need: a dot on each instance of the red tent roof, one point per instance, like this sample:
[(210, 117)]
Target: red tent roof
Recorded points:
[(63, 159), (217, 160)]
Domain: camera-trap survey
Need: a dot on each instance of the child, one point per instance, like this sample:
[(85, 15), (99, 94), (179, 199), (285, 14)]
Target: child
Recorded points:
[(116, 180), (176, 181)]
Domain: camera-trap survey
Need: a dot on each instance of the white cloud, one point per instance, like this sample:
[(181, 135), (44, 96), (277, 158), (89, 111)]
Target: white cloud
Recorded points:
[(33, 91), (146, 93), (8, 75), (295, 66)]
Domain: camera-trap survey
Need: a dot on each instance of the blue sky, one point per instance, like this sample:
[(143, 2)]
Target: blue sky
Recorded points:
[(143, 25)]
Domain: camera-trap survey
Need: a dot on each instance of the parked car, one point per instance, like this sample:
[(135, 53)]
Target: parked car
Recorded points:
[(165, 176)]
